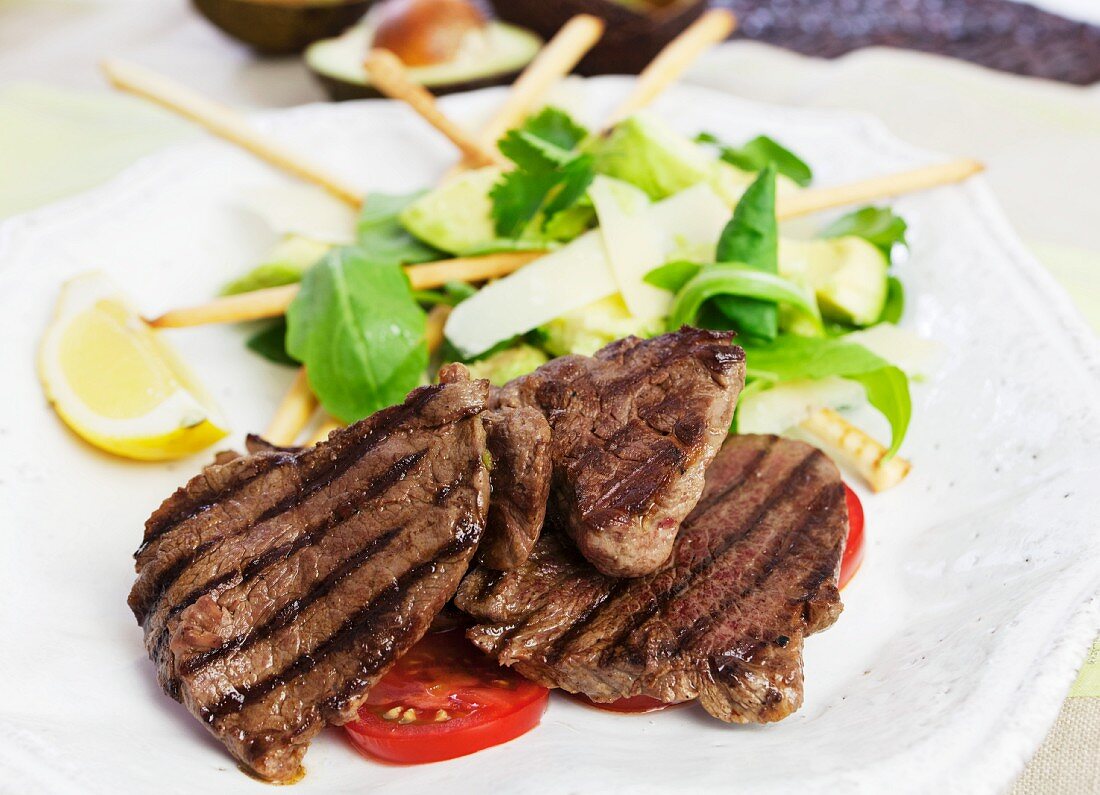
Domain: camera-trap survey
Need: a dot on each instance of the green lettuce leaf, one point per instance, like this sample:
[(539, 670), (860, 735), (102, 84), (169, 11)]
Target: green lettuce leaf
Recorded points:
[(359, 332), (672, 276), (734, 279), (752, 237), (270, 343), (879, 226), (381, 236), (790, 357), (894, 307), (760, 151)]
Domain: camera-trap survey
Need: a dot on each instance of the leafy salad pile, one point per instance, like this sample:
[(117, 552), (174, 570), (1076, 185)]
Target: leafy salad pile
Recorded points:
[(645, 231)]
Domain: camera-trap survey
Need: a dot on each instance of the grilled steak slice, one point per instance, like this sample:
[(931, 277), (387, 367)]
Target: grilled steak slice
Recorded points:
[(754, 571), (519, 443), (633, 429), (275, 589)]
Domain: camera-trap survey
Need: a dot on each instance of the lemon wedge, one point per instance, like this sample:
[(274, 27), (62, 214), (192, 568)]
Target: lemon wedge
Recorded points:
[(114, 381)]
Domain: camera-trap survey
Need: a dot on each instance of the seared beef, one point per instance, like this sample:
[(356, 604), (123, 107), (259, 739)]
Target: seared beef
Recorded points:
[(633, 429), (519, 443), (754, 571), (276, 588)]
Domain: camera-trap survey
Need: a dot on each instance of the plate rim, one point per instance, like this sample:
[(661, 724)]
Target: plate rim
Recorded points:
[(1018, 738)]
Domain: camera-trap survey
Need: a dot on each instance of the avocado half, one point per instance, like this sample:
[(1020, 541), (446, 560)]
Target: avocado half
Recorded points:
[(282, 27), (634, 33), (338, 63)]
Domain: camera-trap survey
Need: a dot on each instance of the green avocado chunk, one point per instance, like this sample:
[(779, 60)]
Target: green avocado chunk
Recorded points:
[(457, 216), (847, 275)]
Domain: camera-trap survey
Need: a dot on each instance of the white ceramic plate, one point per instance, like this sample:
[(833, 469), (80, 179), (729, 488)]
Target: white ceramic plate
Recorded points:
[(960, 635)]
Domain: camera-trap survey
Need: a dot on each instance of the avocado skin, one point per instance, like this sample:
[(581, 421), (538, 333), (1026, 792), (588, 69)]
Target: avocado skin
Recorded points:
[(340, 90), (630, 41), (281, 30)]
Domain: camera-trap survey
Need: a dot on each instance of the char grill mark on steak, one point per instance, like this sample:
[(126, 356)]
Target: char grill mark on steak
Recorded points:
[(314, 576), (633, 429), (753, 571)]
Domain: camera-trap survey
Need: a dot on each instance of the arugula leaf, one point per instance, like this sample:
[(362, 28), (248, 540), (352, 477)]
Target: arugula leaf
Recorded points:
[(791, 357), (752, 237), (557, 127), (672, 276), (732, 279), (359, 333), (894, 307), (270, 343), (381, 235), (760, 151), (547, 179), (879, 226)]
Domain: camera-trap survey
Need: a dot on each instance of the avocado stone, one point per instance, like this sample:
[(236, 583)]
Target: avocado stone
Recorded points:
[(282, 28), (338, 63)]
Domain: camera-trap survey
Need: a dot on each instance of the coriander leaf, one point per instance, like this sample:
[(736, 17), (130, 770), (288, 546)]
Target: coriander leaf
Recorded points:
[(732, 279), (577, 175), (557, 127), (381, 236), (877, 225), (894, 307), (672, 276), (547, 179), (517, 198), (531, 153), (270, 343), (760, 151), (359, 333), (791, 357), (752, 237)]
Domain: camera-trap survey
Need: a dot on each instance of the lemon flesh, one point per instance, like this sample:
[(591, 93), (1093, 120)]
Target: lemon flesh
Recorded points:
[(116, 383)]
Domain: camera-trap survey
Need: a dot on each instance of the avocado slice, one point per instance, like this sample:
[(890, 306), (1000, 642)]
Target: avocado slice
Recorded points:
[(284, 27), (456, 216), (847, 275), (338, 63)]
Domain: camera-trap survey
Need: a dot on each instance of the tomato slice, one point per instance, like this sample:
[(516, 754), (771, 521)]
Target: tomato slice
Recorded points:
[(633, 704), (853, 549), (444, 699)]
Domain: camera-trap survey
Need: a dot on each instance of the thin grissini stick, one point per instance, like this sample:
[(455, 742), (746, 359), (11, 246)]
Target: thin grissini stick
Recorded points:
[(273, 301), (814, 200), (223, 122), (433, 331), (388, 75), (675, 59), (254, 305), (468, 269), (293, 413), (553, 62), (855, 448)]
